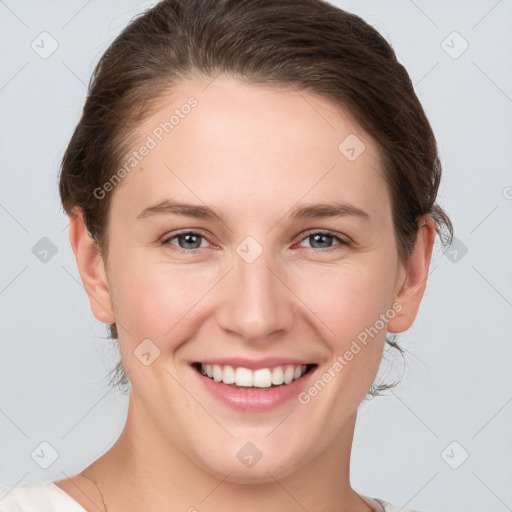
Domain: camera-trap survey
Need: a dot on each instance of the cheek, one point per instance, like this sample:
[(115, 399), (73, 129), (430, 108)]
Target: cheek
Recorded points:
[(152, 300), (348, 298)]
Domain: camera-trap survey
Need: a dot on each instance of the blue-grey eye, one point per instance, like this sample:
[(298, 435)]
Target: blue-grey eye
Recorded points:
[(188, 240), (323, 240)]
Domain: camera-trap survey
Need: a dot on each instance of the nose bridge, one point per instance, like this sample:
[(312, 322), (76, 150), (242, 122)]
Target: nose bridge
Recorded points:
[(256, 304)]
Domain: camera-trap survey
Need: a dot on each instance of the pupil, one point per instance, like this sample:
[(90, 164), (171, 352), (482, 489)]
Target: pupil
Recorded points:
[(189, 239), (318, 238)]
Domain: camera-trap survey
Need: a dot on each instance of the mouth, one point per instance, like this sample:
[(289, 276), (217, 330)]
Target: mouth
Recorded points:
[(259, 379)]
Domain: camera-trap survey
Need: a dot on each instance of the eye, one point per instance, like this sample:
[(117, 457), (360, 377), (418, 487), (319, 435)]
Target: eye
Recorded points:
[(323, 240), (187, 241), (191, 241)]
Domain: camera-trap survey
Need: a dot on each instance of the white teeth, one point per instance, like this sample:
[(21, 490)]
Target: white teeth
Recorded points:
[(288, 374), (261, 378), (217, 373), (243, 377), (229, 375), (277, 376)]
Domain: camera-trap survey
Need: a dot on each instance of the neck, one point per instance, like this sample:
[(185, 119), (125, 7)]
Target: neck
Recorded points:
[(144, 471)]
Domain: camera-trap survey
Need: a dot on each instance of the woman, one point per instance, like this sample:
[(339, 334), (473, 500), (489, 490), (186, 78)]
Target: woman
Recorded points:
[(251, 190)]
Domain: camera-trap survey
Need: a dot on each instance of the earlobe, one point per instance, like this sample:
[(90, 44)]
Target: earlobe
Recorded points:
[(92, 269), (416, 270)]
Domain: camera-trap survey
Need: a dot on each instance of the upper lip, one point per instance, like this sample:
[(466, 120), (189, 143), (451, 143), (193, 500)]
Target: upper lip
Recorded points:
[(254, 364)]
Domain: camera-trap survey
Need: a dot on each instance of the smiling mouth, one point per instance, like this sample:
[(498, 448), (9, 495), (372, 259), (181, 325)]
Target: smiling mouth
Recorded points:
[(256, 380)]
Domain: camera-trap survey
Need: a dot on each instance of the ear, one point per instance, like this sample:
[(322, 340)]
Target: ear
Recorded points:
[(413, 276), (92, 269)]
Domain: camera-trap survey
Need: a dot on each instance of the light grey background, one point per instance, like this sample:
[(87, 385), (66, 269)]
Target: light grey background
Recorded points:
[(456, 385)]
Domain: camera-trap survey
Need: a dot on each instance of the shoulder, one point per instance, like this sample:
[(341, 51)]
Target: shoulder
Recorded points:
[(389, 507), (36, 497)]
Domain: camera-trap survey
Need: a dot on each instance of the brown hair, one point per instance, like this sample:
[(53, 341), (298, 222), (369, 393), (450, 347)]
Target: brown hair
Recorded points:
[(309, 45)]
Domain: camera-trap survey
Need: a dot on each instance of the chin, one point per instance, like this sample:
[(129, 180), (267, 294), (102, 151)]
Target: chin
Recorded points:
[(261, 469)]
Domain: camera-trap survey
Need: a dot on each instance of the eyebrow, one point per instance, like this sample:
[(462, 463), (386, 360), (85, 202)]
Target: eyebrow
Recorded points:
[(325, 210), (304, 212), (170, 207)]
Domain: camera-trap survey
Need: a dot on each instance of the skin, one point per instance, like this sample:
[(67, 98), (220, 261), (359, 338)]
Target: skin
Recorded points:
[(254, 153)]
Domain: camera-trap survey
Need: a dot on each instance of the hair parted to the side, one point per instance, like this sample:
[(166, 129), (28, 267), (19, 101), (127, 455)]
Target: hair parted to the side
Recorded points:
[(308, 45)]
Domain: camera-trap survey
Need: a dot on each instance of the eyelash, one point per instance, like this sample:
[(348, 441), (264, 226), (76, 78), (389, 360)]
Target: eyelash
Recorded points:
[(342, 242)]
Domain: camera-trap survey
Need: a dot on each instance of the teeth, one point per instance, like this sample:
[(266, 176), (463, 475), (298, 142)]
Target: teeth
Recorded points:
[(243, 377), (261, 378), (229, 375), (288, 374), (277, 376), (218, 374)]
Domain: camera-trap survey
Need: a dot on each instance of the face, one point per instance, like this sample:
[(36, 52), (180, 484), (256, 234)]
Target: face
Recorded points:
[(284, 256)]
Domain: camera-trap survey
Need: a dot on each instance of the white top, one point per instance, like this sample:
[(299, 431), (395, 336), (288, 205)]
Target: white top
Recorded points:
[(48, 497)]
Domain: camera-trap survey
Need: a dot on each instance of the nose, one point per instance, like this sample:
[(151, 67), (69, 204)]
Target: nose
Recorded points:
[(256, 304)]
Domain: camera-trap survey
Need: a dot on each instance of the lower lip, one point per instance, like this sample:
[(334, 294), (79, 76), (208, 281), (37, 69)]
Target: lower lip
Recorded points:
[(253, 399)]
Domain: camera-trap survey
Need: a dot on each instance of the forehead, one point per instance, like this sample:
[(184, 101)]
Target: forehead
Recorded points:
[(221, 140)]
